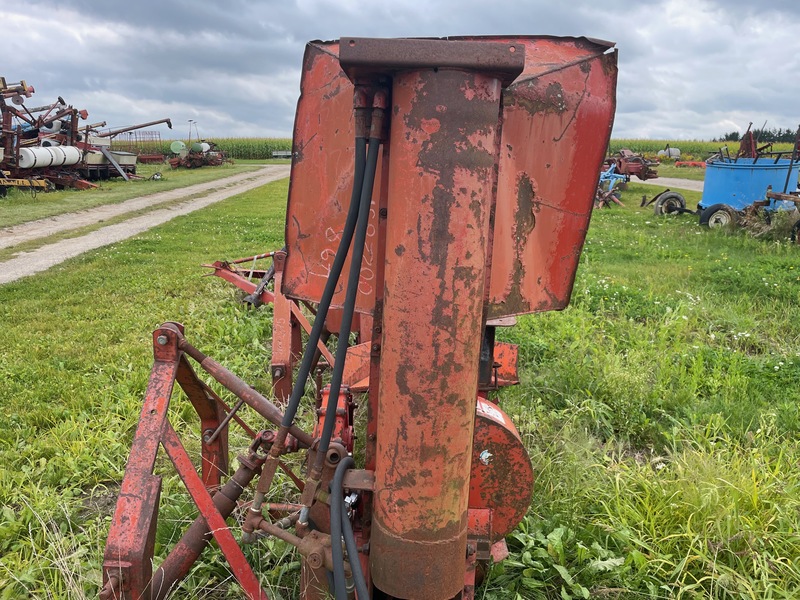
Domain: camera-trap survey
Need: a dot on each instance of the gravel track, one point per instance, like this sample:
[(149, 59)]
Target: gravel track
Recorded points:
[(674, 183), (36, 261)]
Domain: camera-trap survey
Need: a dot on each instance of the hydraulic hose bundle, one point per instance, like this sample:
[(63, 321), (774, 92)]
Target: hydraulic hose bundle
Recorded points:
[(355, 231)]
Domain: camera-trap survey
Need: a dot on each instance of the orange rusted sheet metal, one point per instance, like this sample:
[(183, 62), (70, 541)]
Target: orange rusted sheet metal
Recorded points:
[(556, 120), (321, 182), (505, 359)]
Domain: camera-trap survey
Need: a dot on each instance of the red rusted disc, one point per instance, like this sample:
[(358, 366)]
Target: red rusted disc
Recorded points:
[(502, 475)]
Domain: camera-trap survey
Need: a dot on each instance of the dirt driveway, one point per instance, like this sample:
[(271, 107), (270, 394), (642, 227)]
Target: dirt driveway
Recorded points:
[(36, 261), (674, 183)]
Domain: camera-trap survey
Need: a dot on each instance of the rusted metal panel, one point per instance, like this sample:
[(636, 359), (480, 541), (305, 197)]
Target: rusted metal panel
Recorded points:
[(505, 357), (356, 366), (321, 182), (557, 119)]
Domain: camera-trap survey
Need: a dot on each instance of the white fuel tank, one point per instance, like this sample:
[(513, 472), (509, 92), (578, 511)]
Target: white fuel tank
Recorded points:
[(51, 156)]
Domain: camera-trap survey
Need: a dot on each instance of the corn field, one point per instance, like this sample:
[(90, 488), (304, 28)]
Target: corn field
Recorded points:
[(262, 148), (236, 148), (690, 149)]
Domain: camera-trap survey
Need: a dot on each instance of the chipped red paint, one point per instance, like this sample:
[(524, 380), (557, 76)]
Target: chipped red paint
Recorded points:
[(557, 119), (131, 538), (127, 563), (441, 179), (285, 337), (321, 182), (505, 357), (356, 366)]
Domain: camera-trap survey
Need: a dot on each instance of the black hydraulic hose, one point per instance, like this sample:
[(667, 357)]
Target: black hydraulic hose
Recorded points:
[(339, 583), (330, 286), (337, 555), (350, 299), (362, 590)]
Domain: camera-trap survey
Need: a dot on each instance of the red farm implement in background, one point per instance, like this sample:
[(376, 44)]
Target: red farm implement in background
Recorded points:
[(632, 165), (439, 188)]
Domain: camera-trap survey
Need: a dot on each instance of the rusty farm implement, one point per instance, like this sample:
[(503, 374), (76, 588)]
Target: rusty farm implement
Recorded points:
[(439, 189)]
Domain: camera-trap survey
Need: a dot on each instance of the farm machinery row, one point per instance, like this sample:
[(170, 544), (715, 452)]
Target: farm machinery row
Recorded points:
[(749, 186), (48, 146), (439, 189), (746, 187)]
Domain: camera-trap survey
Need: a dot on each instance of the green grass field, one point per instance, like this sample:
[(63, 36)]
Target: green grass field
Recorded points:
[(660, 410), (666, 169)]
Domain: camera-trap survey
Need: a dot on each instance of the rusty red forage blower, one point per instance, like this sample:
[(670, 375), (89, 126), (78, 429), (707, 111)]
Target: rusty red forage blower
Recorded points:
[(439, 188)]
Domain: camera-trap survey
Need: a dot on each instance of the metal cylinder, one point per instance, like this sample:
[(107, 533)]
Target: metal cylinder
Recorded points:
[(52, 156), (52, 126), (442, 153)]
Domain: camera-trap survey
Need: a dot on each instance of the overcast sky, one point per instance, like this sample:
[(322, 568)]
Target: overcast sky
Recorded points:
[(688, 69)]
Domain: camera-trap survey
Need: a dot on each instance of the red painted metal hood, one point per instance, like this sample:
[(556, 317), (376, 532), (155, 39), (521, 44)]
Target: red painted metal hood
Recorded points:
[(556, 120)]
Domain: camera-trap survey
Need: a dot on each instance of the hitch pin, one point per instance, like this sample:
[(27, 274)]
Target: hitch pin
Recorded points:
[(209, 439)]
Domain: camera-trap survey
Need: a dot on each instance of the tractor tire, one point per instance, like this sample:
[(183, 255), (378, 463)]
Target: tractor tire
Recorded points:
[(671, 202), (718, 215), (796, 233)]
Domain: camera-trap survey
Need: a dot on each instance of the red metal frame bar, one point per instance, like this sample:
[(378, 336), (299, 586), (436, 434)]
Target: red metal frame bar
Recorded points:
[(127, 563), (216, 523), (223, 270)]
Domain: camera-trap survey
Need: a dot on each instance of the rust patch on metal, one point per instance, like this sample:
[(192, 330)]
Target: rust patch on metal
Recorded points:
[(443, 142), (549, 100)]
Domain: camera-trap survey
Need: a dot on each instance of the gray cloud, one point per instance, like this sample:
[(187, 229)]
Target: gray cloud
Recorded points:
[(690, 69)]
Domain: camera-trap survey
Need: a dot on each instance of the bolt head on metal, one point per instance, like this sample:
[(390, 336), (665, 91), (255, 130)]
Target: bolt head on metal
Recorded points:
[(314, 560), (486, 457), (162, 340)]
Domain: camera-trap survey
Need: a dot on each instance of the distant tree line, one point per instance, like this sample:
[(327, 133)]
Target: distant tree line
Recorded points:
[(776, 134)]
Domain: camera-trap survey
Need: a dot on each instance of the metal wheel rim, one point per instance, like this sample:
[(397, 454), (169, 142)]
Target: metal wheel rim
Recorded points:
[(721, 218)]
